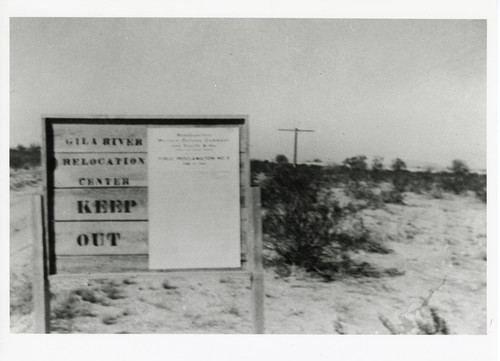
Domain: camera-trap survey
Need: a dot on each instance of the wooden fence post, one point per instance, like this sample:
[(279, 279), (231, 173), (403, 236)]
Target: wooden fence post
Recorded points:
[(40, 281), (256, 264)]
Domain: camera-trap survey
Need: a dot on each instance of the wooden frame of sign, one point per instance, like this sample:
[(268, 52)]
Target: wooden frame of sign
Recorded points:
[(106, 180)]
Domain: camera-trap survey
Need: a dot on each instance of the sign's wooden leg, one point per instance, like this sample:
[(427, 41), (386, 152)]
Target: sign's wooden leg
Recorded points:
[(41, 288), (256, 264)]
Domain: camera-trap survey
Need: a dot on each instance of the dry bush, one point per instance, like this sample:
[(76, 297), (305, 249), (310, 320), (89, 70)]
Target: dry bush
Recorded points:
[(435, 326), (65, 311), (364, 192), (303, 226), (168, 286), (22, 157), (112, 290), (129, 281), (87, 294), (393, 196), (110, 319), (430, 323)]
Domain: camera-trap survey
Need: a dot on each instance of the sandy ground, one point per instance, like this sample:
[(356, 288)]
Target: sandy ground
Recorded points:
[(439, 244)]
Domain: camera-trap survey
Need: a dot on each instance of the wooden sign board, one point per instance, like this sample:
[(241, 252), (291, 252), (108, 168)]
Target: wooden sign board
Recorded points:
[(146, 194)]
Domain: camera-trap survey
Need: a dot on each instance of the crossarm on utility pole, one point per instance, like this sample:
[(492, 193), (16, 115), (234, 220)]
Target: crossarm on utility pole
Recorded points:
[(295, 142)]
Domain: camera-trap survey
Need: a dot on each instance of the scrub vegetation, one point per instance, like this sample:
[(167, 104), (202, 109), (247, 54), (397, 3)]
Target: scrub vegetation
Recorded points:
[(349, 248), (312, 214)]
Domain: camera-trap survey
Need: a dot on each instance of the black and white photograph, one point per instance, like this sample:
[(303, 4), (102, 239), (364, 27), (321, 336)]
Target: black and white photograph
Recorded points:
[(251, 175)]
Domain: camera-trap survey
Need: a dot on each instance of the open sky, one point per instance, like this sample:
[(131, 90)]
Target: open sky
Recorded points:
[(414, 89)]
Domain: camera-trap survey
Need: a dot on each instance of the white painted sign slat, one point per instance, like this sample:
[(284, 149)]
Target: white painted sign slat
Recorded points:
[(101, 238), (97, 204), (102, 138), (100, 170)]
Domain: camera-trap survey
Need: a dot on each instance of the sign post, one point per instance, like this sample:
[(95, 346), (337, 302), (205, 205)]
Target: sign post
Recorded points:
[(257, 267), (41, 287)]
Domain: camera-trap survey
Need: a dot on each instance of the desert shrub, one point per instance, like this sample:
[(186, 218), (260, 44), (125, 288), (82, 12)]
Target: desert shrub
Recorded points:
[(68, 308), (398, 165), (389, 325), (447, 183), (234, 310), (401, 179), (393, 196), (377, 168), (286, 183), (460, 178), (420, 182), (462, 181), (86, 294), (76, 303), (109, 319), (302, 226), (429, 323), (359, 191), (128, 312), (22, 157), (357, 167), (260, 166), (458, 166), (300, 230), (167, 285), (478, 185), (338, 326), (363, 192), (129, 281), (336, 174), (71, 307), (481, 194), (436, 191), (280, 158), (112, 290), (437, 325), (453, 183), (377, 163)]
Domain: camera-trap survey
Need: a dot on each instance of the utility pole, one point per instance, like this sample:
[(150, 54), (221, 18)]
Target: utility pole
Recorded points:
[(295, 143)]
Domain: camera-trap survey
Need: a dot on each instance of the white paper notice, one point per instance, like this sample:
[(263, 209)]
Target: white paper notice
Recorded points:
[(194, 198)]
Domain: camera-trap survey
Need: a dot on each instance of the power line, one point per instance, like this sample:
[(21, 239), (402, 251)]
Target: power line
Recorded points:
[(295, 143)]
